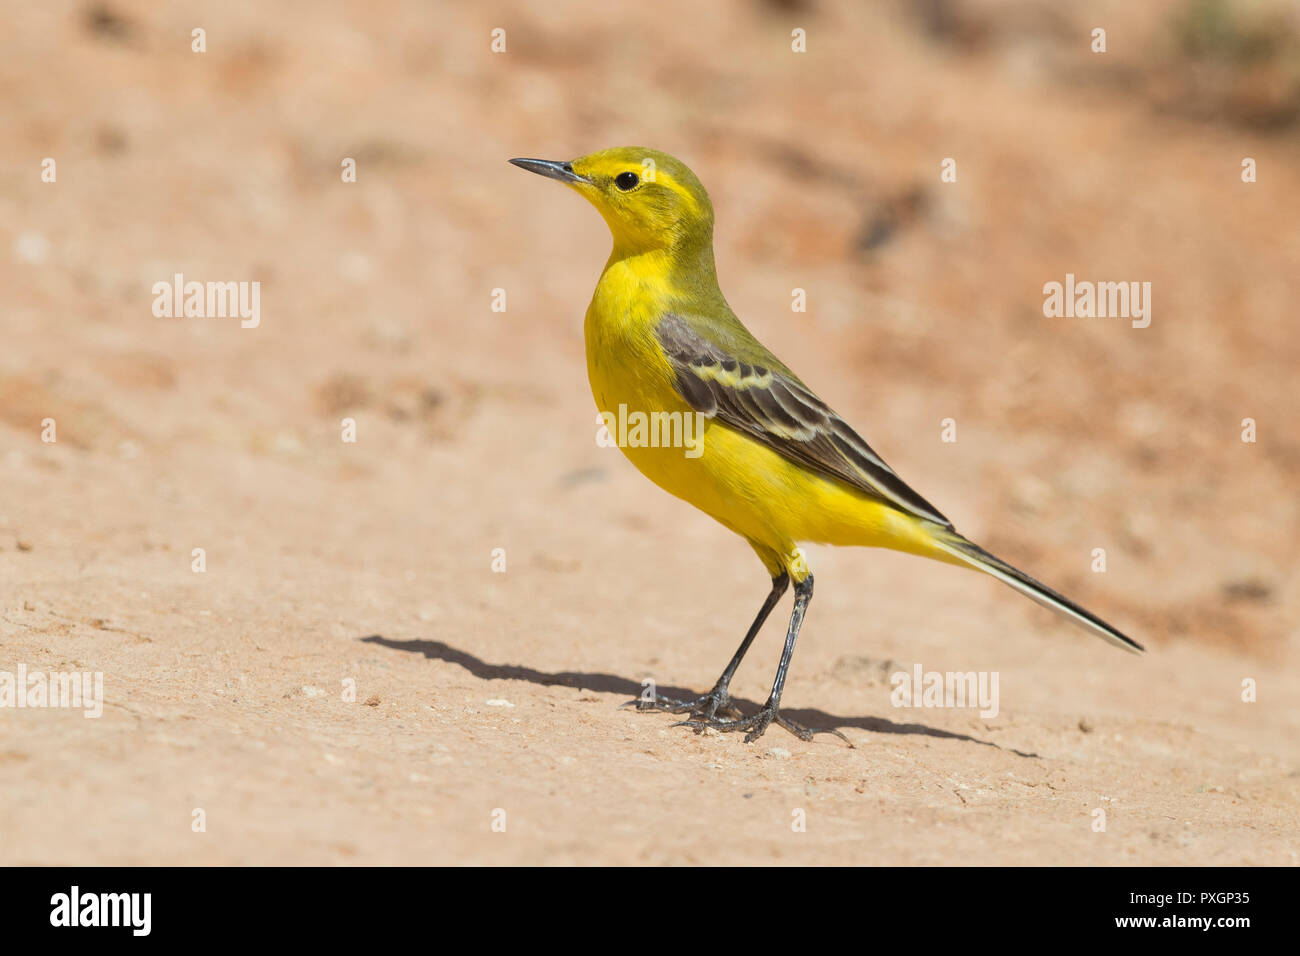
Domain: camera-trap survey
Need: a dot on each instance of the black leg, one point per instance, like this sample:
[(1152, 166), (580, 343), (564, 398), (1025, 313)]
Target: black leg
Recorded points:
[(719, 699), (771, 714)]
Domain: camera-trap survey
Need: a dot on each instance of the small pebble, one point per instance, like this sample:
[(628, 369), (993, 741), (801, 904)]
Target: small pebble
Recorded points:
[(31, 247)]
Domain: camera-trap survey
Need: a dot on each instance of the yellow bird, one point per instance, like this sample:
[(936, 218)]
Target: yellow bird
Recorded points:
[(774, 463)]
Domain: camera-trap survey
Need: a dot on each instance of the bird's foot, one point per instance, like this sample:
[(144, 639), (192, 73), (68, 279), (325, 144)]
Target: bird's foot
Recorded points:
[(757, 725), (706, 706)]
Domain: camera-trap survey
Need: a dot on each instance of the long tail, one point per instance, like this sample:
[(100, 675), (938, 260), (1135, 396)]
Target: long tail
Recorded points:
[(976, 557)]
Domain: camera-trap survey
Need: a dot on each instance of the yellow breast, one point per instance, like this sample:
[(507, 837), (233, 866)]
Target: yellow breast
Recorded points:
[(735, 479)]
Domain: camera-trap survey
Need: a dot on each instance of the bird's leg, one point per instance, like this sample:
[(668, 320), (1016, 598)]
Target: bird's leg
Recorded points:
[(718, 700), (756, 725)]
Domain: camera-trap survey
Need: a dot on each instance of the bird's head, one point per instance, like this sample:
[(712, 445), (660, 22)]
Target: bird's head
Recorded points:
[(649, 199)]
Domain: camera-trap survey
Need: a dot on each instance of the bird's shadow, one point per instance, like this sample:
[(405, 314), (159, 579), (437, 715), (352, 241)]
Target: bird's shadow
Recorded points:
[(614, 684)]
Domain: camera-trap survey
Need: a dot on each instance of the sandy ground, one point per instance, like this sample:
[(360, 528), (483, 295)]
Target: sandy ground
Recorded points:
[(484, 697)]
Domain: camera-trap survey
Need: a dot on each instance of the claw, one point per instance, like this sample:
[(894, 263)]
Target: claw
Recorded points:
[(757, 725), (706, 706)]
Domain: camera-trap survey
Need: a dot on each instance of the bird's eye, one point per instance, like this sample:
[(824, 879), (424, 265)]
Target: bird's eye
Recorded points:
[(626, 181)]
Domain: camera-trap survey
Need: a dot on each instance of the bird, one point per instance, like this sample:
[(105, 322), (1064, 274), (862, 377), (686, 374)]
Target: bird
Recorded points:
[(775, 464)]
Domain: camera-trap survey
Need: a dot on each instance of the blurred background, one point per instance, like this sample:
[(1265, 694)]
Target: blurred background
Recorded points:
[(924, 297), (475, 428)]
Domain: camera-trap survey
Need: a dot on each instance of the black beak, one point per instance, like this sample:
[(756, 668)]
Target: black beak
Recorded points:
[(551, 169)]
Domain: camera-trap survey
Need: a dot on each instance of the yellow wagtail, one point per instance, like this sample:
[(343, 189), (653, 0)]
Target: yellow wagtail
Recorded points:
[(778, 466)]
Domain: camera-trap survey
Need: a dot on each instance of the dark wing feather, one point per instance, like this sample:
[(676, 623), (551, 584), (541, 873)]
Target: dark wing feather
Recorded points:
[(775, 408)]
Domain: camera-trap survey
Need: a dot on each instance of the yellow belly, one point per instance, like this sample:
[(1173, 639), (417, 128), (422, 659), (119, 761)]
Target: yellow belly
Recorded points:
[(738, 481)]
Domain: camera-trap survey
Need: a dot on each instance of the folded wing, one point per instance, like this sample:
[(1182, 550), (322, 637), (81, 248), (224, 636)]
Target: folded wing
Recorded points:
[(775, 408)]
